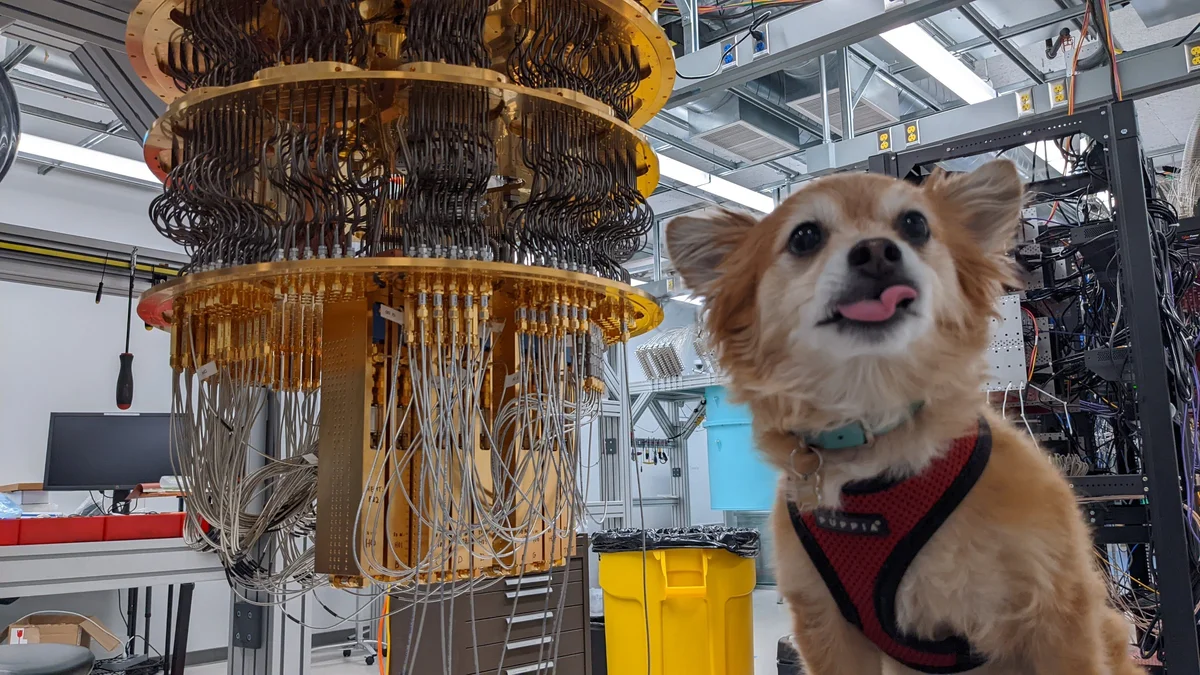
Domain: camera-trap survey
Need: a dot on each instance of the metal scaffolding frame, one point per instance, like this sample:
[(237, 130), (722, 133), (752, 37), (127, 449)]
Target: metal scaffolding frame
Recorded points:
[(796, 36), (1144, 72)]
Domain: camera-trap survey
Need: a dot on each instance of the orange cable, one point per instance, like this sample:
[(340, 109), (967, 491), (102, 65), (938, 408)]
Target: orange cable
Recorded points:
[(383, 637), (1112, 52), (1087, 15), (1037, 333)]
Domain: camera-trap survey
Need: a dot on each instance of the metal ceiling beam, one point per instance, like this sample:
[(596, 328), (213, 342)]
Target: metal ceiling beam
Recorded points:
[(19, 54), (982, 25), (78, 21), (34, 82), (120, 86), (797, 36), (78, 122), (1144, 73), (89, 142), (899, 81), (1013, 31)]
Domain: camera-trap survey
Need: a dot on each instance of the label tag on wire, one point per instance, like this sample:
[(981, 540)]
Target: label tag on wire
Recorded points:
[(207, 370), (392, 314), (310, 457), (512, 380), (498, 326)]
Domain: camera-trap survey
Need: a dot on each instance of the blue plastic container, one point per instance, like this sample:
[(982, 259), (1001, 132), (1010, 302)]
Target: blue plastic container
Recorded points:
[(738, 478)]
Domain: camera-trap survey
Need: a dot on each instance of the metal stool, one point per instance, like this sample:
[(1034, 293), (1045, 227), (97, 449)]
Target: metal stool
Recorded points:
[(45, 659)]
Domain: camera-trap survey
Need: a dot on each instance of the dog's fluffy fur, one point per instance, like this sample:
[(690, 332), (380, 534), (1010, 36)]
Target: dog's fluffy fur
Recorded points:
[(1012, 570)]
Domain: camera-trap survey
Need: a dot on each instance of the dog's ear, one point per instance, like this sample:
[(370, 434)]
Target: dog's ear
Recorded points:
[(698, 245), (987, 202)]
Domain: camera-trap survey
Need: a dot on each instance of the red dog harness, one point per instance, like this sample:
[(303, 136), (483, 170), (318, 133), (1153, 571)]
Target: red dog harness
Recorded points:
[(863, 550)]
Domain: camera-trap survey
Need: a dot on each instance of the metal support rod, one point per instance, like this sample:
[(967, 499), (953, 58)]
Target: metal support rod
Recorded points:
[(620, 352), (862, 86), (146, 634), (17, 56), (71, 120), (184, 622), (167, 636), (826, 127), (89, 142), (901, 83), (657, 251), (847, 97), (131, 629), (1181, 651), (1012, 53), (690, 15)]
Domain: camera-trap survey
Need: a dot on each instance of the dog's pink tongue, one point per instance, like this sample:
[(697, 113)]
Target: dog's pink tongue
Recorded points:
[(875, 311)]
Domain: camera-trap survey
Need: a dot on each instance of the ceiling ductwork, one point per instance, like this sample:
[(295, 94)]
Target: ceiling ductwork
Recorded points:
[(878, 104), (742, 129), (1156, 12), (754, 134)]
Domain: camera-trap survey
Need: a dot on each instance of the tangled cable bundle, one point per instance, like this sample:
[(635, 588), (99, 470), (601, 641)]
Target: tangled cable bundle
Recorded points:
[(407, 222)]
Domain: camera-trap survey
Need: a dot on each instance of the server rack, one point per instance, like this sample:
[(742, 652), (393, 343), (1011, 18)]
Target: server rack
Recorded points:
[(1114, 126)]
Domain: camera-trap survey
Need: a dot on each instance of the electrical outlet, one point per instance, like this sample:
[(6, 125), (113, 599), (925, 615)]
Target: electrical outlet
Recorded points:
[(1058, 93), (1192, 50), (728, 54), (1025, 102), (763, 47)]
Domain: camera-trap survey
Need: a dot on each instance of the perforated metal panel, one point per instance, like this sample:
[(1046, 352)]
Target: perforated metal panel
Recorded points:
[(345, 419), (1007, 367)]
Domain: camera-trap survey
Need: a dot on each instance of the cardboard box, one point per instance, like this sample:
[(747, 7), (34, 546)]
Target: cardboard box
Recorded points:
[(61, 629)]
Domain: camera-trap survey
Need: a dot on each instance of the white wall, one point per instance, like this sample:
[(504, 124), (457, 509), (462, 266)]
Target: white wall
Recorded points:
[(58, 353), (78, 204)]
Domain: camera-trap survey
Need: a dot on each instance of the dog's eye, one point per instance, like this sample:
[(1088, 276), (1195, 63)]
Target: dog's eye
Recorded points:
[(806, 239), (915, 228)]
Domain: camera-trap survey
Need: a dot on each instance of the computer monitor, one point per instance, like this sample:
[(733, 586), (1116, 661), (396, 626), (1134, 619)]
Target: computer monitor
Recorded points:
[(100, 451)]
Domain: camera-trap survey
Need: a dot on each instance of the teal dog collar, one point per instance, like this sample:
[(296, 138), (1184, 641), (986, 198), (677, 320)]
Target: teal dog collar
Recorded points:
[(855, 434)]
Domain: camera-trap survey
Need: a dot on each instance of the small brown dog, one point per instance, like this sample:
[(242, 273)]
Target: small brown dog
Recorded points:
[(916, 530)]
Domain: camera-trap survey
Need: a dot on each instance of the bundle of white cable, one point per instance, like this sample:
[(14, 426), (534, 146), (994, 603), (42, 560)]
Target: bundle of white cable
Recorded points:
[(260, 506)]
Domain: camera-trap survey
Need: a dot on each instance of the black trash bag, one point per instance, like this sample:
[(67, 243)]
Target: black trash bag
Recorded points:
[(741, 542)]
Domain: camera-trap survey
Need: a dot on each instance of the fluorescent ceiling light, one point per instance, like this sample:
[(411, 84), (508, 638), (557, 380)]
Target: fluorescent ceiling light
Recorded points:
[(48, 150), (932, 57), (714, 185), (688, 298)]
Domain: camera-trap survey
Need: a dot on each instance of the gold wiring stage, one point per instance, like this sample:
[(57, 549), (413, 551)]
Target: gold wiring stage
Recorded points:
[(407, 222)]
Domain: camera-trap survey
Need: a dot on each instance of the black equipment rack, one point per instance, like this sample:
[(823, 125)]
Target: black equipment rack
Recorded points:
[(1115, 127)]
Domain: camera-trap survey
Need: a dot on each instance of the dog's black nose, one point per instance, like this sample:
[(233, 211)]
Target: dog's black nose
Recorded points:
[(875, 258)]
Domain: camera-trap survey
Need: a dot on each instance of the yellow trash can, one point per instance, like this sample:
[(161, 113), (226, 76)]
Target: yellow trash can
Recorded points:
[(698, 603)]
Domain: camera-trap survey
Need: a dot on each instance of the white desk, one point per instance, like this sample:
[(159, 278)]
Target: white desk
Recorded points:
[(51, 569), (48, 569)]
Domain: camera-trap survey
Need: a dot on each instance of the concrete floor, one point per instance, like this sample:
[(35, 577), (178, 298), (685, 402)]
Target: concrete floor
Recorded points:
[(771, 622)]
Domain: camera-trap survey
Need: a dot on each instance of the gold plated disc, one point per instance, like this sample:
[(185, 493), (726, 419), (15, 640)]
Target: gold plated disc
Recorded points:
[(154, 24), (352, 276)]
